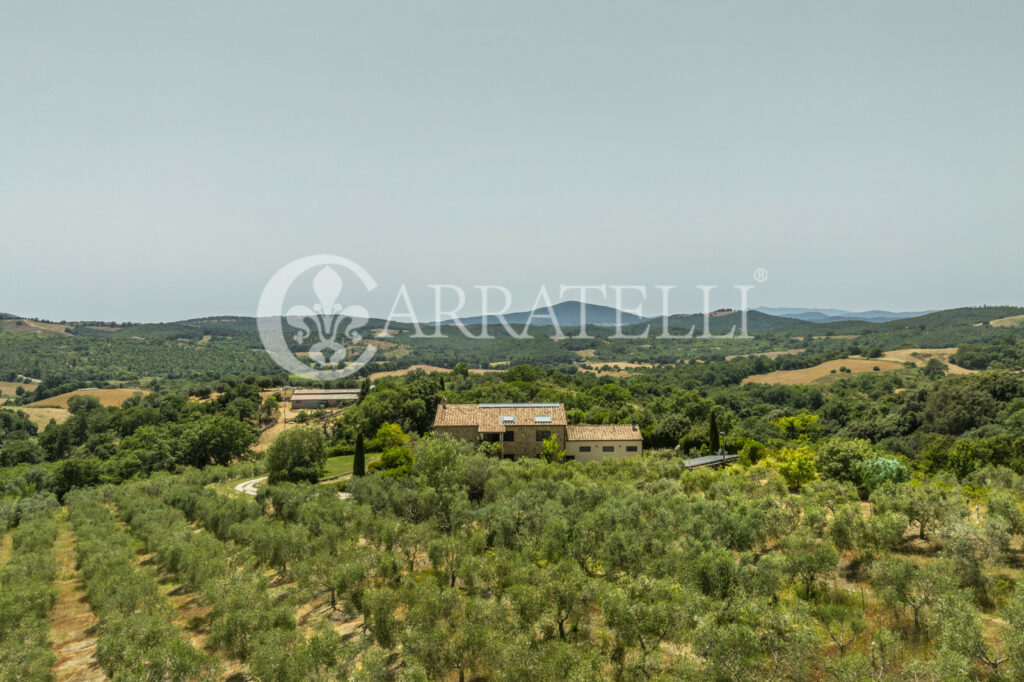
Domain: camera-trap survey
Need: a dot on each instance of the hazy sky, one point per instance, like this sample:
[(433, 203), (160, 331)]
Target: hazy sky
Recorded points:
[(162, 160)]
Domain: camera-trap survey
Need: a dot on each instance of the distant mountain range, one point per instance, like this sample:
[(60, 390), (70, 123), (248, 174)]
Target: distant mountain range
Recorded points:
[(793, 321), (568, 314), (836, 315)]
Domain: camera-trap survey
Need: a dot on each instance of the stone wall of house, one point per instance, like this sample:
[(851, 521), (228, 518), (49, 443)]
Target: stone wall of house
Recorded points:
[(526, 443), (620, 449)]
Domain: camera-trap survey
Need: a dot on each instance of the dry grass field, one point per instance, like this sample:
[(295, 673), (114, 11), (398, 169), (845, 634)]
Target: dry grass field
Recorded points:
[(619, 369), (1012, 321), (921, 356), (41, 416), (108, 397), (822, 374), (31, 327), (9, 387), (620, 365), (425, 368), (772, 354)]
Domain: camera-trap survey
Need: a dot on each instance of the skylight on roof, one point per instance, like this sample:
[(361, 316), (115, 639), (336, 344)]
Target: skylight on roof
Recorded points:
[(508, 419), (542, 419)]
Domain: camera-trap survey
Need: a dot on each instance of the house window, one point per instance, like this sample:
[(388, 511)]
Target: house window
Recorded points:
[(630, 448), (584, 448), (510, 436), (607, 448), (541, 435), (569, 458)]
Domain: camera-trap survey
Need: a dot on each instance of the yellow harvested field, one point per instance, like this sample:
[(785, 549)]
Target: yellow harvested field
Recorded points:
[(619, 369), (32, 327), (620, 365), (426, 368), (921, 356), (587, 352), (606, 373), (772, 354), (41, 416), (108, 397), (822, 374), (1012, 321), (10, 387)]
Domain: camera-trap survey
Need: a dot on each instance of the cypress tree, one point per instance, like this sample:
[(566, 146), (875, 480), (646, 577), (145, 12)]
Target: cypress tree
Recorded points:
[(714, 441), (359, 461)]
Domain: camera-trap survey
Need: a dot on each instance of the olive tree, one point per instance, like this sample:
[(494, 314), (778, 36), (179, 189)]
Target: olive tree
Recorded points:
[(296, 455)]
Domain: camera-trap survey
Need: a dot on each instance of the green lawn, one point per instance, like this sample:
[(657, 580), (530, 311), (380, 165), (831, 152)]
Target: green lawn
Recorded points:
[(342, 465), (335, 466)]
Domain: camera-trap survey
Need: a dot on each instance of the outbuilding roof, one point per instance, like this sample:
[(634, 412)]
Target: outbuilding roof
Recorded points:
[(577, 432), (326, 394)]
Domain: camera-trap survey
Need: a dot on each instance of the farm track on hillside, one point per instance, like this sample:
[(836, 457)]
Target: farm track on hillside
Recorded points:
[(5, 548), (73, 622)]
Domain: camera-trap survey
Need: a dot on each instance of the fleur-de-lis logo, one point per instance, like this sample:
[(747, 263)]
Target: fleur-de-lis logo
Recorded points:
[(329, 326), (327, 315)]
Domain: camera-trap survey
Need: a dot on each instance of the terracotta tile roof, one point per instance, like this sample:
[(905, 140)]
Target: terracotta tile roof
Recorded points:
[(487, 417), (603, 432)]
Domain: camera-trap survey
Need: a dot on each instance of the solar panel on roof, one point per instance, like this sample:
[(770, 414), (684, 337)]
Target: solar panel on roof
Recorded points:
[(508, 419), (542, 420)]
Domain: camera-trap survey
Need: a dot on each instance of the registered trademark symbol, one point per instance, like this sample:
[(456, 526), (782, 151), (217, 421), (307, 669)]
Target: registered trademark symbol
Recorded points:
[(760, 275)]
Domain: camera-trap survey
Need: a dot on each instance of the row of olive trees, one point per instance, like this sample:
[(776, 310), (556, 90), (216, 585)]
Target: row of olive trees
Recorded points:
[(469, 567), (249, 620), (27, 594), (136, 638)]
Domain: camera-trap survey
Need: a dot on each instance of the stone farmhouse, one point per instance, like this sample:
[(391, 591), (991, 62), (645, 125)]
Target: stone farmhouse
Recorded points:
[(522, 427)]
